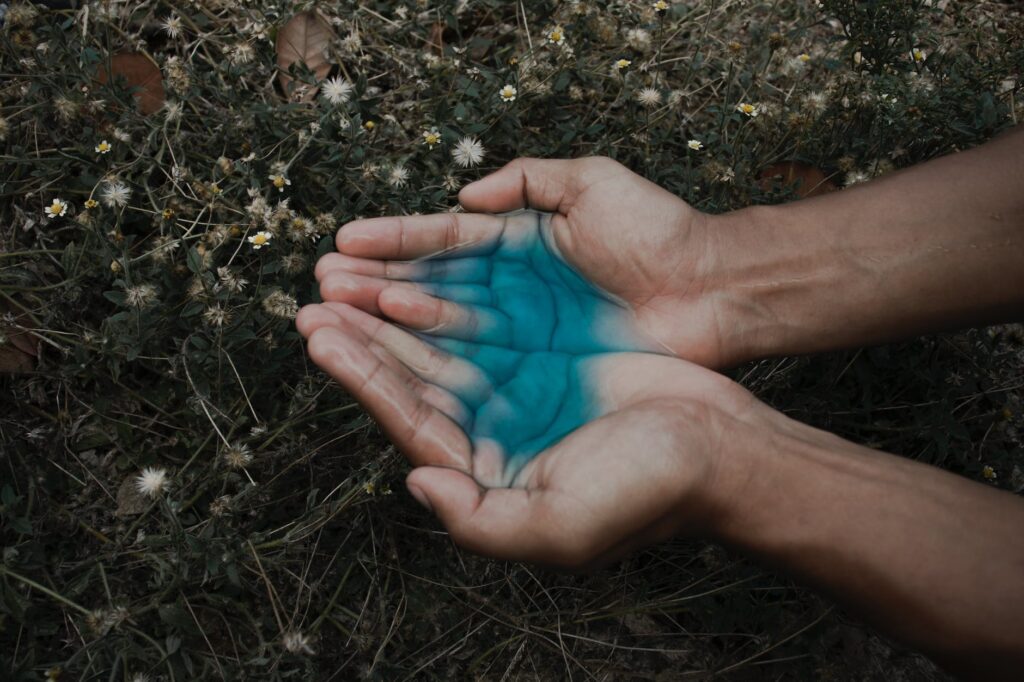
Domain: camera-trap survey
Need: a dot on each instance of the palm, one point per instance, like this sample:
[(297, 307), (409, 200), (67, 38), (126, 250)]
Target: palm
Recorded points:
[(510, 409), (557, 424)]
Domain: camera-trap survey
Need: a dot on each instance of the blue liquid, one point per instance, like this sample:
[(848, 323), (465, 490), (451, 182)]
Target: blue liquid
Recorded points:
[(524, 296), (538, 330)]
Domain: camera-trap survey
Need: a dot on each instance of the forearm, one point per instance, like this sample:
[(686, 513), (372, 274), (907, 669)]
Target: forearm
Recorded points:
[(933, 247), (929, 557)]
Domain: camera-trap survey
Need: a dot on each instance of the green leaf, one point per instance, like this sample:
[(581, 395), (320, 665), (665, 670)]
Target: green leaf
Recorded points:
[(195, 261)]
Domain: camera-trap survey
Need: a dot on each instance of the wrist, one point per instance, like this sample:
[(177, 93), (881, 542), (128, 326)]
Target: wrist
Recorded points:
[(765, 281), (769, 468)]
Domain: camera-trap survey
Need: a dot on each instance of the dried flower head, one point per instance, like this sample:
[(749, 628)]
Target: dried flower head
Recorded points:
[(115, 194), (141, 296), (336, 90), (237, 456), (217, 316), (649, 97), (151, 481), (280, 304), (297, 643), (468, 152)]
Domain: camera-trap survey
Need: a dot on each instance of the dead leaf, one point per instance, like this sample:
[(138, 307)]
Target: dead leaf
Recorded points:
[(19, 350), (810, 181), (130, 500), (304, 39), (140, 72), (436, 38)]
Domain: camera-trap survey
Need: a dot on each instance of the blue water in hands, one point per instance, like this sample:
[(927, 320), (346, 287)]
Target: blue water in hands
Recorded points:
[(538, 330)]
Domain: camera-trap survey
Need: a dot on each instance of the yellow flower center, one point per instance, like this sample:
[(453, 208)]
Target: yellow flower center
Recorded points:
[(804, 57), (369, 125), (259, 240), (55, 207), (279, 181), (432, 138), (556, 36), (91, 203), (622, 63)]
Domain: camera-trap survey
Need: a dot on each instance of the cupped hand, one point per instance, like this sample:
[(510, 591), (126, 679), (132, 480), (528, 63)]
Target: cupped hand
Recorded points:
[(601, 453), (615, 246)]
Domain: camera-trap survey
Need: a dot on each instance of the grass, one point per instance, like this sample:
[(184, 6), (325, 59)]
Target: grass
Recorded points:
[(277, 551)]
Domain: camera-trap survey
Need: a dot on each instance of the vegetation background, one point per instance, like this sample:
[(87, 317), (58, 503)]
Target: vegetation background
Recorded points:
[(141, 328)]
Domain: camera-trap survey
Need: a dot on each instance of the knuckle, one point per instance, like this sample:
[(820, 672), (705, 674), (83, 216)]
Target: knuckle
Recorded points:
[(451, 231)]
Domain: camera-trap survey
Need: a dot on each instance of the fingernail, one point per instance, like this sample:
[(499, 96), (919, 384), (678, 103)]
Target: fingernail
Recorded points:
[(420, 496)]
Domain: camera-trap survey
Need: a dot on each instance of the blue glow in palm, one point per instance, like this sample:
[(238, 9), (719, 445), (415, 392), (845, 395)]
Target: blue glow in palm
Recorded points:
[(513, 339)]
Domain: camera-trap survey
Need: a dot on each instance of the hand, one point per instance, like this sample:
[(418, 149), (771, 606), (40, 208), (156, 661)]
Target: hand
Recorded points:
[(643, 458), (625, 236)]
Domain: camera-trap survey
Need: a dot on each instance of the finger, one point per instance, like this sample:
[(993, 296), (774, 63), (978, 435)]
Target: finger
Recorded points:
[(420, 430), (410, 237), (498, 362), (423, 312), (312, 317), (543, 184), (467, 270), (364, 292), (357, 290), (464, 379), (504, 523)]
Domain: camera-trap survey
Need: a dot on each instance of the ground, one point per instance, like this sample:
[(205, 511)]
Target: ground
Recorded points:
[(142, 328)]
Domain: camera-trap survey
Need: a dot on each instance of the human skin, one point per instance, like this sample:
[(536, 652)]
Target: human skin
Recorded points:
[(929, 557)]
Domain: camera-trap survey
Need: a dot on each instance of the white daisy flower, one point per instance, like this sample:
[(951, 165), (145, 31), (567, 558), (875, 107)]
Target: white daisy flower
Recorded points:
[(556, 36), (279, 181), (431, 137), (56, 209), (103, 147), (695, 145), (508, 94), (260, 239), (747, 109)]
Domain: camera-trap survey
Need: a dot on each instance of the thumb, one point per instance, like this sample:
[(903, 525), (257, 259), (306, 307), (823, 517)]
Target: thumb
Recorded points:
[(543, 184), (503, 523)]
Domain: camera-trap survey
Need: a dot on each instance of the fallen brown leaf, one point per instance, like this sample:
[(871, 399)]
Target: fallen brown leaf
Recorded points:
[(436, 38), (304, 39), (140, 72), (810, 181), (19, 349)]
